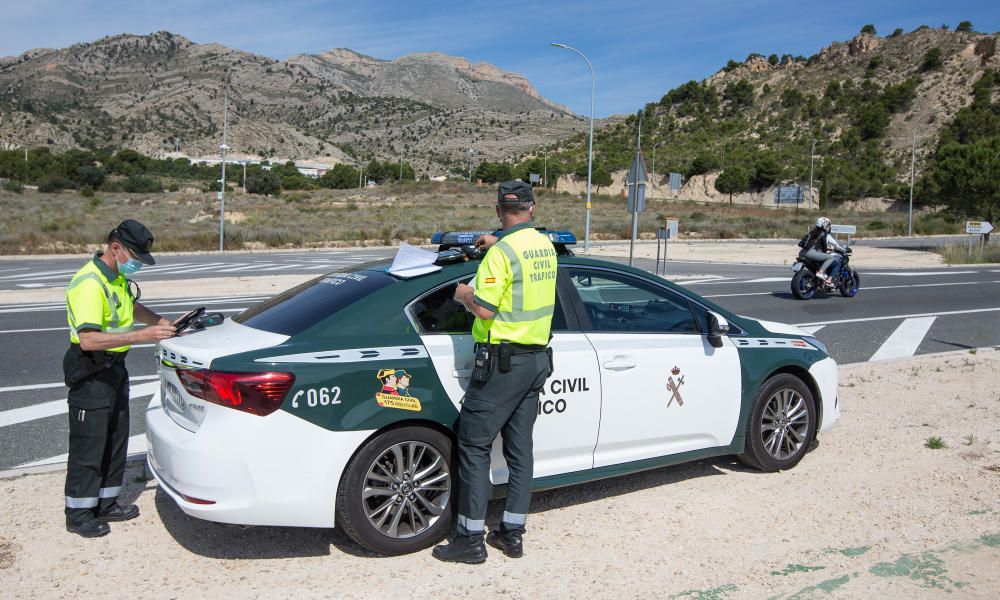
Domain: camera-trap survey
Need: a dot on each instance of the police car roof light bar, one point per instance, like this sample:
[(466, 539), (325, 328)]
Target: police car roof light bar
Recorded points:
[(447, 240)]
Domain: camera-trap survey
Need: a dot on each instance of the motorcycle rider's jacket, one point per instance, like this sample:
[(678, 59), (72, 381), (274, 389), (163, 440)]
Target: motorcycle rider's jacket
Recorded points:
[(818, 239)]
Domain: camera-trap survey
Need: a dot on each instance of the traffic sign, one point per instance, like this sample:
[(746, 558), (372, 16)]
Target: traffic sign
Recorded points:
[(978, 227), (636, 182), (848, 229)]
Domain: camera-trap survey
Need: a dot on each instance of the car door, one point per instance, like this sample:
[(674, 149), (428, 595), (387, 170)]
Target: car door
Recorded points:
[(569, 408), (665, 389)]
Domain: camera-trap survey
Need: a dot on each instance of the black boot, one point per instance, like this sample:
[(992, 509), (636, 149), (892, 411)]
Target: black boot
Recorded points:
[(508, 542), (90, 528), (117, 512), (463, 549)]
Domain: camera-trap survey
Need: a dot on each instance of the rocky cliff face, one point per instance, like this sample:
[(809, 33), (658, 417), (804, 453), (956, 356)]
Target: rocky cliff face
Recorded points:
[(162, 93)]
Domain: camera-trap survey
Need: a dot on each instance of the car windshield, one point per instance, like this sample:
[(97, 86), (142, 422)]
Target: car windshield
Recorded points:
[(309, 303)]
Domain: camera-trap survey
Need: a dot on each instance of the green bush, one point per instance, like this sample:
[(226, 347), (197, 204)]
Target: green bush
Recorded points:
[(932, 60), (13, 185), (141, 184), (86, 191), (54, 183)]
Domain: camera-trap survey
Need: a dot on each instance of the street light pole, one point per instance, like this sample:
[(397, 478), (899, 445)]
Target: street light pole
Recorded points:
[(222, 189), (913, 162), (653, 178), (545, 169), (471, 152), (590, 145), (812, 163)]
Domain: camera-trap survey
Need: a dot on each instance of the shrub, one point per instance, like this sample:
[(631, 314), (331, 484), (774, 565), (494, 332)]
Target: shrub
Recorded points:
[(932, 60), (54, 183), (964, 27), (868, 30), (13, 185), (141, 184), (86, 191)]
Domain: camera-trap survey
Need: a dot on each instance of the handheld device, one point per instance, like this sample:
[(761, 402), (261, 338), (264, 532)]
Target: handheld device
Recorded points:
[(188, 319)]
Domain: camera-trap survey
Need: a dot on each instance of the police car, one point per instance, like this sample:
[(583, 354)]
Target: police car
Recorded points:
[(335, 403)]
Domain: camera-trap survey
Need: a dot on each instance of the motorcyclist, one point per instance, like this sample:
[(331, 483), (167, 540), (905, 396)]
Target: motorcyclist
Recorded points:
[(821, 247)]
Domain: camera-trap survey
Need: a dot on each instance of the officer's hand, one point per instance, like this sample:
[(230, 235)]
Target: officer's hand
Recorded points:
[(485, 241), (155, 333)]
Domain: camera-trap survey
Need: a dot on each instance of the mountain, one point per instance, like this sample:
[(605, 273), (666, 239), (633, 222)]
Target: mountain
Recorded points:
[(861, 101), (161, 93)]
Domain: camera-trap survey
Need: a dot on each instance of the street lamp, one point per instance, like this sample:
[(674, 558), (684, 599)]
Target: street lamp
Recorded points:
[(590, 146), (222, 190), (653, 178), (471, 152), (812, 162)]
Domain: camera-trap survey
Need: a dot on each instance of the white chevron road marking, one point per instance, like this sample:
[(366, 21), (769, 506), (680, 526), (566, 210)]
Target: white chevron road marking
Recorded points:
[(905, 340)]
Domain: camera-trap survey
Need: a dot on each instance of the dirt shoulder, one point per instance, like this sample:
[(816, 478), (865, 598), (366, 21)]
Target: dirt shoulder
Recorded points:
[(870, 512)]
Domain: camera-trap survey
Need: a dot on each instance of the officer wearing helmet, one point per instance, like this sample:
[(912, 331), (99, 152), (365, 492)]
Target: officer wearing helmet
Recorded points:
[(821, 247), (101, 309), (513, 301)]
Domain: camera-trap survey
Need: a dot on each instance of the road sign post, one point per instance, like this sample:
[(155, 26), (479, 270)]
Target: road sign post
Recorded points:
[(980, 228), (848, 229), (636, 181)]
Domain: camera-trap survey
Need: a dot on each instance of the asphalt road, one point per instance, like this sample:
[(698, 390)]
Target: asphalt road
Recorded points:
[(898, 313)]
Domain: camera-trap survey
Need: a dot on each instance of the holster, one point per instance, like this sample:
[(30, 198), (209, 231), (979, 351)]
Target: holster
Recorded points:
[(79, 364)]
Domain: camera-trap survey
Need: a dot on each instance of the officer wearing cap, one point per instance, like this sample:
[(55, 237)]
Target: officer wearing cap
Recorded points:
[(101, 309), (513, 301)]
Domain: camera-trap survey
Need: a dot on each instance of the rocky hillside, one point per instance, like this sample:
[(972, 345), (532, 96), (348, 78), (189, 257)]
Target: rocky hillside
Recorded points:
[(860, 101), (160, 93)]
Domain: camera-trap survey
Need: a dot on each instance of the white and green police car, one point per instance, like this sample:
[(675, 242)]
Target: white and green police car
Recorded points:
[(335, 403)]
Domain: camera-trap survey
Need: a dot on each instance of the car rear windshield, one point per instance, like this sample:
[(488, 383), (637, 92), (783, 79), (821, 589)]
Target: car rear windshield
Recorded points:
[(302, 307)]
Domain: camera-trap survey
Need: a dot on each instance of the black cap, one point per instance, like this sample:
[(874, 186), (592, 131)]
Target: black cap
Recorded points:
[(134, 236), (519, 189)]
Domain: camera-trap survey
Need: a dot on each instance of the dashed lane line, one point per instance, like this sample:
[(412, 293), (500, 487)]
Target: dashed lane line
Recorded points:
[(905, 340), (881, 287), (136, 445), (59, 407), (911, 316), (42, 386)]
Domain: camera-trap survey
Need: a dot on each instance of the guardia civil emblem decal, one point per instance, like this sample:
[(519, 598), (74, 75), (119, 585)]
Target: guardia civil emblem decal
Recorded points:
[(395, 390), (674, 386)]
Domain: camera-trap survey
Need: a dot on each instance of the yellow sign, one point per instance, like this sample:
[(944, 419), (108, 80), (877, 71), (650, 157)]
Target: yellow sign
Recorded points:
[(400, 402)]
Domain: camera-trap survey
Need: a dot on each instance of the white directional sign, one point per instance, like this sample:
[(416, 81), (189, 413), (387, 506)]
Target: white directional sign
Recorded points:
[(978, 227), (848, 229)]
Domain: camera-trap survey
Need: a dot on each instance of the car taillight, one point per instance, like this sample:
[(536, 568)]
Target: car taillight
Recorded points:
[(255, 393)]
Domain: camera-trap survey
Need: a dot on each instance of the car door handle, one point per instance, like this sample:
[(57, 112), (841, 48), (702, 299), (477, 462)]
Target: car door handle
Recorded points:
[(620, 363)]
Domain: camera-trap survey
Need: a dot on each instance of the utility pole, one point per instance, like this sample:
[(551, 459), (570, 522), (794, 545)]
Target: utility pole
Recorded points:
[(223, 148), (400, 168), (652, 179), (812, 161), (913, 162), (545, 169), (471, 152)]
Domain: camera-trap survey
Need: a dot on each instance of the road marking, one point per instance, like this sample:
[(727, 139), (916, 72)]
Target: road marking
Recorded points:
[(813, 328), (33, 330), (31, 285), (253, 266), (12, 270), (913, 316), (60, 273), (881, 287), (58, 407), (905, 340), (136, 445), (208, 267), (42, 386), (767, 280), (921, 273)]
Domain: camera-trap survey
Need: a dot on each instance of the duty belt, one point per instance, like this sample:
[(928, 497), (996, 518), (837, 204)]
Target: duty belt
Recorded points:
[(527, 348)]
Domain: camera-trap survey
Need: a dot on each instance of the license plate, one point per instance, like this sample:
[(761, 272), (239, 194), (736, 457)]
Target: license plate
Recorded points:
[(173, 399), (796, 267)]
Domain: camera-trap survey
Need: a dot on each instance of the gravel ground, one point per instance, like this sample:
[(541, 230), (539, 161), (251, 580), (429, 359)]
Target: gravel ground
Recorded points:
[(870, 512)]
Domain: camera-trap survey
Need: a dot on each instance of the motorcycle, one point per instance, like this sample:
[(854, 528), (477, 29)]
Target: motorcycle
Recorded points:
[(805, 284)]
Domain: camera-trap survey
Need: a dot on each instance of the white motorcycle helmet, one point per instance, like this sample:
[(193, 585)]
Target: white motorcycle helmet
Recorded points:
[(823, 223)]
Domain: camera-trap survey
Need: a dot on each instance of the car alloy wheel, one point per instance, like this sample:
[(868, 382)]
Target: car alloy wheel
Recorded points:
[(406, 489), (784, 424)]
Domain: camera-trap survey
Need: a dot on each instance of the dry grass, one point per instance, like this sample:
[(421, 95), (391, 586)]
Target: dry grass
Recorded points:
[(958, 254), (8, 552), (52, 223)]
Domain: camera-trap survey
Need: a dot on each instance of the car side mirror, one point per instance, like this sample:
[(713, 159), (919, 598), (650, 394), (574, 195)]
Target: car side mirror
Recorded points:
[(718, 326), (208, 320)]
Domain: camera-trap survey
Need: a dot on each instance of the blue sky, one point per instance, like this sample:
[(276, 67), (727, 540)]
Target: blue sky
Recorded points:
[(640, 49)]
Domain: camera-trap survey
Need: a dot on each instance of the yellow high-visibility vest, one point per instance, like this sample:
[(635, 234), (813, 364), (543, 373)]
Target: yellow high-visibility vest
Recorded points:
[(98, 298), (517, 281)]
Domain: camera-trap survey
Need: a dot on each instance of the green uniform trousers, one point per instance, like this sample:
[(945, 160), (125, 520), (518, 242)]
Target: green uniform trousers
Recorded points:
[(506, 404), (98, 442)]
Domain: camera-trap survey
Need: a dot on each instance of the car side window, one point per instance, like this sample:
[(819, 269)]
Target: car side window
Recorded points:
[(617, 302), (437, 312)]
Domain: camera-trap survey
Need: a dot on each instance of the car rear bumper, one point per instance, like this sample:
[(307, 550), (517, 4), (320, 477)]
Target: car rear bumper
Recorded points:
[(273, 470), (824, 373)]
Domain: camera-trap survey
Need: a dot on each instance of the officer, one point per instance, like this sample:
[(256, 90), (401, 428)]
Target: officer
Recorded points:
[(100, 308), (512, 301)]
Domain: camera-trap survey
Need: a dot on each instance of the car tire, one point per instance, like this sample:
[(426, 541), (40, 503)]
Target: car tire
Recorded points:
[(782, 424), (414, 514), (804, 284)]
